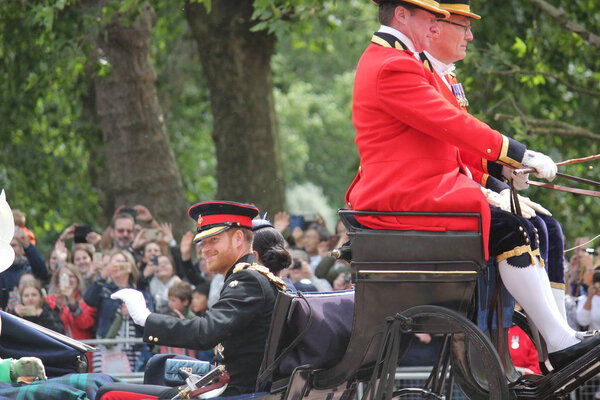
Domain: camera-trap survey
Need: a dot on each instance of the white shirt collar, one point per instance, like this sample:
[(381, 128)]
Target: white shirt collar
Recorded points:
[(400, 36), (441, 68)]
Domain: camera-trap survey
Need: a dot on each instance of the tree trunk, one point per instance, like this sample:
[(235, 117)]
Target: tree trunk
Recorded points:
[(140, 161), (237, 66)]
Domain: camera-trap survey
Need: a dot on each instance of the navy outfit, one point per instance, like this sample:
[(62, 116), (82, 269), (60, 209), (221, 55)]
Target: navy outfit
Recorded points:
[(33, 263)]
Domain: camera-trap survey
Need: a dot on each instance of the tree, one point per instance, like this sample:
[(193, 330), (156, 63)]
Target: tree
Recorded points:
[(236, 63), (141, 165)]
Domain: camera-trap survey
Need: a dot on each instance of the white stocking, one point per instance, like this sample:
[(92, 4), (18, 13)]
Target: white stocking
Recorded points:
[(532, 290), (559, 299)]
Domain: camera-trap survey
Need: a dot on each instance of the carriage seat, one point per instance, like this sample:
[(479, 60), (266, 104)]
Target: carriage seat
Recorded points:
[(307, 329)]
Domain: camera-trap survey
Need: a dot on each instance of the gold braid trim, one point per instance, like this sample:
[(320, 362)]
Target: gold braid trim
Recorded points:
[(517, 251), (262, 270), (556, 285)]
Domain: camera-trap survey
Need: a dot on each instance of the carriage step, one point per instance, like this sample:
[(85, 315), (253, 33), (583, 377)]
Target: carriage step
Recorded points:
[(561, 383)]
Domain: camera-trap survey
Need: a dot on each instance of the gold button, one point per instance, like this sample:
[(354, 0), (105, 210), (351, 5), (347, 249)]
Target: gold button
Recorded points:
[(489, 151), (535, 229), (150, 338), (359, 168), (527, 240), (521, 228), (155, 339), (349, 205)]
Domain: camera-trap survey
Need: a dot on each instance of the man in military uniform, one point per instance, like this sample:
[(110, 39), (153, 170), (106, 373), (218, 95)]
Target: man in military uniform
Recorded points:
[(409, 138), (446, 49), (239, 321)]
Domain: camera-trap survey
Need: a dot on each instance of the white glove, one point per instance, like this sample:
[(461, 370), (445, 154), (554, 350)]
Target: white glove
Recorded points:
[(502, 201), (135, 303), (536, 206), (544, 166), (519, 180)]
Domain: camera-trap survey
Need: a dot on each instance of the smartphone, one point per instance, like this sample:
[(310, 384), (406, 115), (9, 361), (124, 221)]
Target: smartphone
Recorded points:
[(124, 266), (154, 260), (81, 232), (28, 311), (152, 234), (296, 221), (97, 256), (63, 281), (129, 211)]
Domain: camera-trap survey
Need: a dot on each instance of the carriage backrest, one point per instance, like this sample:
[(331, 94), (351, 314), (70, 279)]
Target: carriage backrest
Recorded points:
[(307, 329)]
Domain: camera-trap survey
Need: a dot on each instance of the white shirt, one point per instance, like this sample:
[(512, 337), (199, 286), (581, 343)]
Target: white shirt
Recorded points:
[(590, 318), (400, 36), (442, 69)]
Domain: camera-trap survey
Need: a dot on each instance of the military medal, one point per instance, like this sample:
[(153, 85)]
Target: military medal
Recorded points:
[(460, 95), (514, 342)]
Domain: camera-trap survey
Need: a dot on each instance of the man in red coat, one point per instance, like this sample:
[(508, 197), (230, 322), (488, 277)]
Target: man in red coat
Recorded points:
[(449, 47), (409, 139)]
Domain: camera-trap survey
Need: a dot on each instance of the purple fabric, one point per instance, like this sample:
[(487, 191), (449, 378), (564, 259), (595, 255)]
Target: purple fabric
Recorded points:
[(325, 343)]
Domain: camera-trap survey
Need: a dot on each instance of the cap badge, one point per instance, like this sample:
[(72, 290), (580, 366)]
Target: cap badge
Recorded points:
[(233, 283), (200, 220)]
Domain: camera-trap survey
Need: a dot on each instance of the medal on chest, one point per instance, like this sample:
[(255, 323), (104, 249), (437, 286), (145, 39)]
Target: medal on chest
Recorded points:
[(514, 342), (460, 95)]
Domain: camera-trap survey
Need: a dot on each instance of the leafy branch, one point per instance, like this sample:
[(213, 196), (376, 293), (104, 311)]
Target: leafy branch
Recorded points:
[(550, 127), (561, 16), (551, 75)]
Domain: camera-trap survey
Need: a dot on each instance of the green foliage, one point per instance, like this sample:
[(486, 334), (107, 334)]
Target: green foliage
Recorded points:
[(554, 64), (46, 144)]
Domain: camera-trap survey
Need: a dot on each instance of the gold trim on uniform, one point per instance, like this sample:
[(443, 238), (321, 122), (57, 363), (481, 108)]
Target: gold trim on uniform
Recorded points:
[(517, 251), (377, 40), (556, 285), (504, 158), (277, 281), (484, 179)]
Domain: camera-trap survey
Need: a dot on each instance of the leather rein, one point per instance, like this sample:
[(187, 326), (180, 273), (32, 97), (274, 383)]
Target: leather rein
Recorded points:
[(585, 192)]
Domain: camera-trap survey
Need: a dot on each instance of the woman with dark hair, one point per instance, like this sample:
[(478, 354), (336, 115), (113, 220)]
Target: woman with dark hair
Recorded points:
[(269, 247)]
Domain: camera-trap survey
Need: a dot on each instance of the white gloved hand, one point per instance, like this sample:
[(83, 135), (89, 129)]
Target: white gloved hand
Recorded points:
[(135, 303), (544, 166), (502, 201), (519, 180), (536, 206)]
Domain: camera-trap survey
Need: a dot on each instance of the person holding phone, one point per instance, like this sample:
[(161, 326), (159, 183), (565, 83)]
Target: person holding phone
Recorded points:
[(588, 306), (113, 320), (66, 296), (34, 308)]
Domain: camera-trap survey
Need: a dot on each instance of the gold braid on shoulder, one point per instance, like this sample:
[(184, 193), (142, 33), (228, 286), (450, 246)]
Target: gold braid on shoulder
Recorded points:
[(262, 270)]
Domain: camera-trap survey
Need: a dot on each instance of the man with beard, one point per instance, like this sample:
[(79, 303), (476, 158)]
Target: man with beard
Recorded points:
[(239, 321)]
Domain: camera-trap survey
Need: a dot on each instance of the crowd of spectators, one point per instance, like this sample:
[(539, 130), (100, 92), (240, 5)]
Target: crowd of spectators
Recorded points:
[(69, 290)]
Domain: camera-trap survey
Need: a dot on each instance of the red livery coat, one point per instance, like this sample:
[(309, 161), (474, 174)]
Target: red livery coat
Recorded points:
[(408, 137)]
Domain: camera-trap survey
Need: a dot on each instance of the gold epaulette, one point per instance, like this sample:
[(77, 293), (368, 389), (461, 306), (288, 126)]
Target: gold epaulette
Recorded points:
[(262, 270)]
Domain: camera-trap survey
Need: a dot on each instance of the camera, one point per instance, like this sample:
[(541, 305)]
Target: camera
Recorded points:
[(592, 251), (154, 260)]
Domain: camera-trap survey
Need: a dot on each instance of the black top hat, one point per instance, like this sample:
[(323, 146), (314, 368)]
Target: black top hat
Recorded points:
[(429, 5), (214, 217), (460, 7)]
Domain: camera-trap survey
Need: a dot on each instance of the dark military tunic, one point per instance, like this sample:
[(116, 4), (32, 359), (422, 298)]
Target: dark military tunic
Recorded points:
[(239, 321)]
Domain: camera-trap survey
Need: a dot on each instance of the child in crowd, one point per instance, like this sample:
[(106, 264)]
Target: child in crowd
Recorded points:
[(34, 308), (200, 298), (180, 298)]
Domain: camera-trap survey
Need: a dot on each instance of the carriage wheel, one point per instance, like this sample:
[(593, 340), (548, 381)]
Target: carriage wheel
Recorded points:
[(468, 343)]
